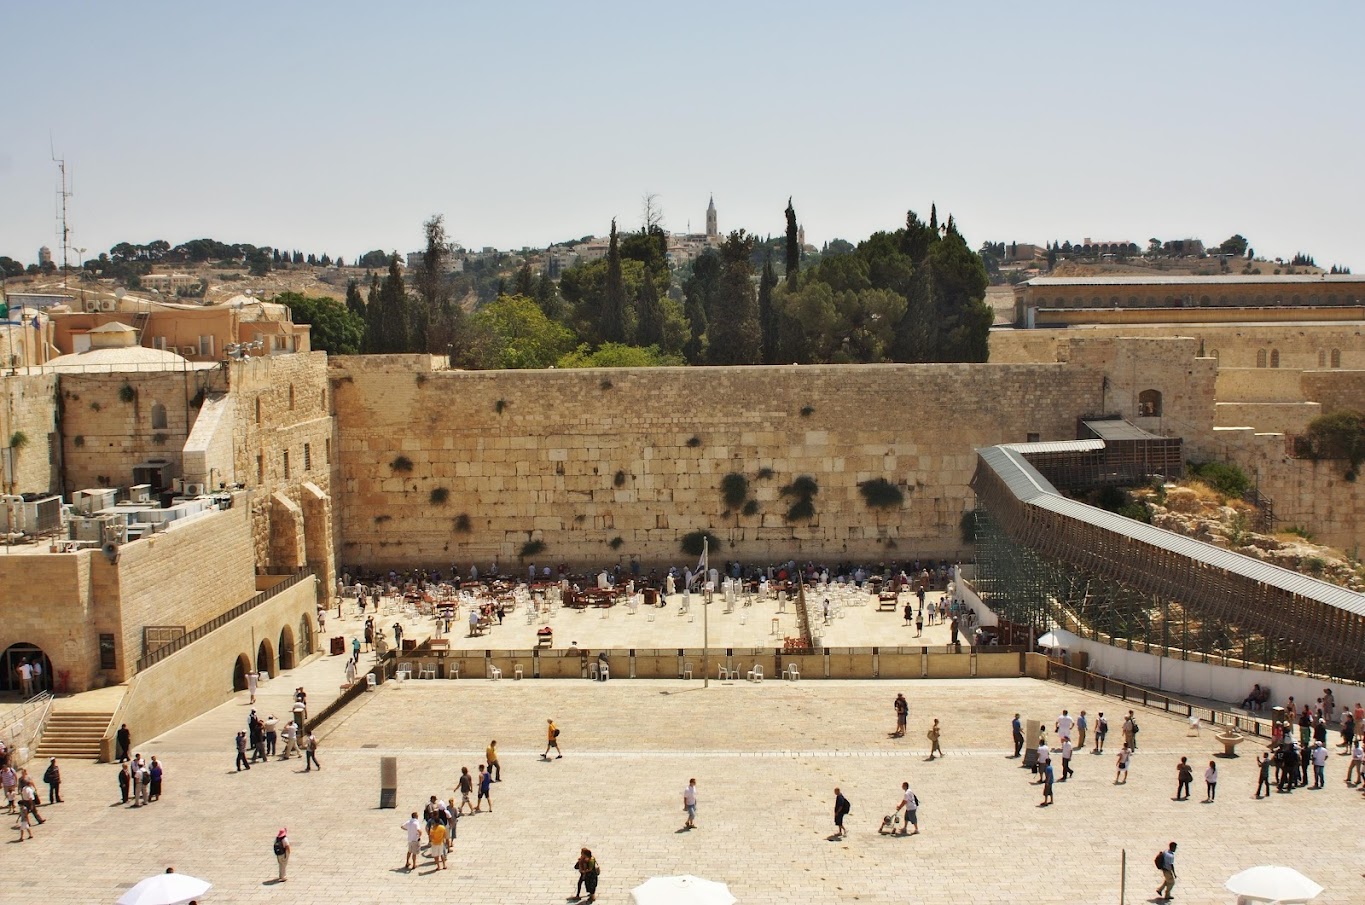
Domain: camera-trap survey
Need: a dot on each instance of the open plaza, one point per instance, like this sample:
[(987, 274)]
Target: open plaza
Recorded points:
[(766, 757)]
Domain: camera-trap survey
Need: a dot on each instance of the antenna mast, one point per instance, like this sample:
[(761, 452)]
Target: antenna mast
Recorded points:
[(63, 193)]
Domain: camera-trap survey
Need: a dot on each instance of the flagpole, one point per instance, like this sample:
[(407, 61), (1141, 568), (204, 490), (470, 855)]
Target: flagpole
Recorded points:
[(705, 618)]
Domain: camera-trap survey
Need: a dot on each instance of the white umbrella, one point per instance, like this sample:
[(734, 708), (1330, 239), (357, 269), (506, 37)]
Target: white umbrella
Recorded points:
[(1271, 883), (1058, 637), (683, 890), (165, 889)]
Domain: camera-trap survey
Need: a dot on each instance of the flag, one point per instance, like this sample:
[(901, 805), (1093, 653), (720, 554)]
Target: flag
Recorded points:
[(701, 563)]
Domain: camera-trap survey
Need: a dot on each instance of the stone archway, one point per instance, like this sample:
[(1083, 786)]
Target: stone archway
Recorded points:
[(265, 659), (305, 643), (239, 671), (14, 657), (286, 649)]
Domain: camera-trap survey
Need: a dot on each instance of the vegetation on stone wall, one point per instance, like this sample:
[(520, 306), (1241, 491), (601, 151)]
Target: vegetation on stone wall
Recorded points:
[(461, 523), (18, 440), (531, 548), (734, 490), (401, 464), (616, 542), (439, 496), (1224, 477), (1335, 435), (127, 393), (879, 493), (802, 491), (693, 542)]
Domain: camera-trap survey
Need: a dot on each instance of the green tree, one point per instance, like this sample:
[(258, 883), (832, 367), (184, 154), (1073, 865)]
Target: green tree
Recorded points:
[(649, 329), (793, 247), (391, 331), (616, 355), (767, 313), (525, 283), (354, 303), (336, 329), (1235, 245), (373, 259), (612, 327), (735, 337), (524, 336), (700, 292)]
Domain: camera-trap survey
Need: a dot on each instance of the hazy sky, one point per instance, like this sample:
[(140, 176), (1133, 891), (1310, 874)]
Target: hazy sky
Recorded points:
[(339, 127)]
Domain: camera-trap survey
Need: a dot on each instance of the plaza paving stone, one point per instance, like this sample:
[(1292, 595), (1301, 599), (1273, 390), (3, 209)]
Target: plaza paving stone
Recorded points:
[(766, 758)]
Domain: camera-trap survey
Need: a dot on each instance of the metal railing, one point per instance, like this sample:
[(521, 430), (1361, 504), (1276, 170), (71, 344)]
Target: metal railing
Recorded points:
[(161, 653), (1137, 694)]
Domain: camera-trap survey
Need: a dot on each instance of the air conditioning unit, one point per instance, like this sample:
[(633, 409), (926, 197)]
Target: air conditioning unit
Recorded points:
[(189, 351), (108, 305), (194, 490), (92, 305), (94, 499), (142, 493)]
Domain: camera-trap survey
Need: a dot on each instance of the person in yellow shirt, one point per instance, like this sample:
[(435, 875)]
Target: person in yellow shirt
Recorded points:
[(490, 756), (438, 845), (551, 741)]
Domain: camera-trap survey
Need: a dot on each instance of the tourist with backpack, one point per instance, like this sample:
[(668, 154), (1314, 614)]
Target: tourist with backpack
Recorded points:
[(282, 850), (910, 804), (841, 810), (552, 741), (1165, 862), (588, 872)]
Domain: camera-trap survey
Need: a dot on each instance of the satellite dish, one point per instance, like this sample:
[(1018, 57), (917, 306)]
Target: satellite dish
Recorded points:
[(120, 292)]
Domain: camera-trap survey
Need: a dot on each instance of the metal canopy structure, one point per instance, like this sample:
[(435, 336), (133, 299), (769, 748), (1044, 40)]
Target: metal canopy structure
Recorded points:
[(1044, 559)]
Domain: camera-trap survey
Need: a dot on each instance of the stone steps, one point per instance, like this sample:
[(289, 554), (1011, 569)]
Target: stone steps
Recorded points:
[(73, 734)]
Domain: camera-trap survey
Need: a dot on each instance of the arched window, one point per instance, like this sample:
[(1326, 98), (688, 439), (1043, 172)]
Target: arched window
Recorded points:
[(1149, 404), (1274, 358), (1213, 353), (158, 416), (1260, 358), (1336, 358)]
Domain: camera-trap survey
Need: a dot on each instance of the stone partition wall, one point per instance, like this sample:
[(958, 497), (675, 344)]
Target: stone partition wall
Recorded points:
[(606, 466), (27, 408)]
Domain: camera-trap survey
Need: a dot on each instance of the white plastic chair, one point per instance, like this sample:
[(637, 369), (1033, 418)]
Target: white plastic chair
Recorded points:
[(605, 673), (404, 672), (427, 671), (516, 672), (494, 673), (687, 670), (452, 670), (592, 669), (756, 674), (793, 673), (721, 672), (370, 681)]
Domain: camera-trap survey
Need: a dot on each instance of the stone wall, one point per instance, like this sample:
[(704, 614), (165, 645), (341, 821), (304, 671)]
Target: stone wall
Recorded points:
[(27, 408), (110, 422), (51, 602), (577, 459), (199, 677)]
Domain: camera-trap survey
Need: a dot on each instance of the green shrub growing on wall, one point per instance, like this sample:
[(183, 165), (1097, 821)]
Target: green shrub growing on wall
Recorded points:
[(879, 493), (532, 548), (734, 490), (692, 542), (401, 463)]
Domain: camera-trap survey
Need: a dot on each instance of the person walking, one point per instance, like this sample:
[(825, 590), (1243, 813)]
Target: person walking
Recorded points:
[(934, 733), (253, 678), (1121, 775), (355, 650), (690, 804), (1130, 731), (1017, 731), (1184, 775), (485, 788), (291, 740), (282, 850), (1357, 766), (551, 741), (1319, 765), (414, 831), (490, 754), (53, 777), (124, 782), (910, 804), (27, 811), (1263, 773), (841, 810), (1064, 725), (437, 838), (466, 788), (1211, 782), (1067, 751), (1043, 754), (902, 707), (123, 743), (1166, 864), (1047, 783), (350, 671), (9, 783), (241, 752), (1082, 724), (310, 751), (272, 735), (1101, 730), (588, 872)]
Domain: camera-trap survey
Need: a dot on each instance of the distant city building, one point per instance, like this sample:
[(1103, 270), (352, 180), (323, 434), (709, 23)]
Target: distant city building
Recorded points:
[(712, 232), (454, 262), (44, 256)]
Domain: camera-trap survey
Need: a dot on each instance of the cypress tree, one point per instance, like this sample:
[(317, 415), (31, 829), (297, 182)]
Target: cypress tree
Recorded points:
[(735, 337), (793, 250), (354, 303), (650, 330), (767, 314), (393, 311), (933, 217), (613, 326)]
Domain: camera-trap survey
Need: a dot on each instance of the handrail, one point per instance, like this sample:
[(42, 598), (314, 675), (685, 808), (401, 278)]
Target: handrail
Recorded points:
[(33, 729), (1101, 684), (219, 621)]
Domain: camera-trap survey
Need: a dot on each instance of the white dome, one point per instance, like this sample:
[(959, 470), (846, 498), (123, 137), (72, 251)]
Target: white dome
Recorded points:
[(127, 358)]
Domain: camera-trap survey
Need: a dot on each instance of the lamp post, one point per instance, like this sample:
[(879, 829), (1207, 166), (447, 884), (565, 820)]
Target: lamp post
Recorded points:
[(705, 616)]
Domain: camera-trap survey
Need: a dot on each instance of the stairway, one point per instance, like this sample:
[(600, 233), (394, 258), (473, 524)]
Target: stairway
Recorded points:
[(73, 733)]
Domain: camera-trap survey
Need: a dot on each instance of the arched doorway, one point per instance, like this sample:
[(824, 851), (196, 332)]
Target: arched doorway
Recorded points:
[(17, 655), (305, 646), (286, 646), (239, 671), (265, 660)]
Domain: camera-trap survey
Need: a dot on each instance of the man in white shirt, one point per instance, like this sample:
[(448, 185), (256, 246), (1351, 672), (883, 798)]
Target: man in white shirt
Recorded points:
[(1319, 765), (1066, 758), (414, 828), (26, 679), (690, 804), (911, 805), (1044, 752), (1064, 725)]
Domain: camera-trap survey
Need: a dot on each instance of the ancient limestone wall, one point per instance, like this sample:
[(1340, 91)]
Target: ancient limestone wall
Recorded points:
[(1336, 390), (49, 601), (111, 422), (1301, 346), (579, 459), (27, 407)]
